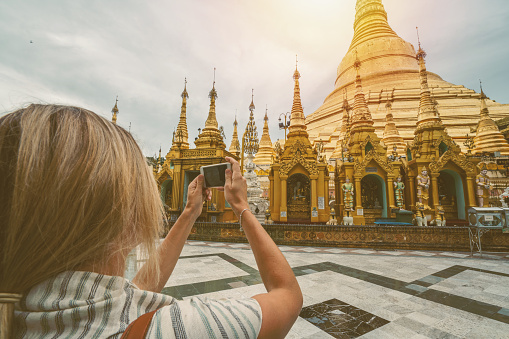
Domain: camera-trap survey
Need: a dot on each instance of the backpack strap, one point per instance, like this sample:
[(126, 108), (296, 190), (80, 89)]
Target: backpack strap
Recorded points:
[(139, 327)]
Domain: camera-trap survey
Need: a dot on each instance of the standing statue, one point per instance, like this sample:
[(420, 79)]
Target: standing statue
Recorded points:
[(423, 182), (399, 187), (348, 194), (483, 187)]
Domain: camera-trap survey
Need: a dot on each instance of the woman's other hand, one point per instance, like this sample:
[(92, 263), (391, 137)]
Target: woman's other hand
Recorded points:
[(235, 188), (196, 195)]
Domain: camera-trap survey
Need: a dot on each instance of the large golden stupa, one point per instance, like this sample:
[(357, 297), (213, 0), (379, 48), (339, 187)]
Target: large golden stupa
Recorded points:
[(390, 73)]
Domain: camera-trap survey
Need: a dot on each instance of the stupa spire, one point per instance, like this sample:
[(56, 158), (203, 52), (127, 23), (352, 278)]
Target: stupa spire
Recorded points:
[(250, 138), (297, 119), (181, 135), (211, 119), (235, 145), (114, 112), (361, 114), (370, 22), (488, 137), (264, 154), (391, 135), (427, 108)]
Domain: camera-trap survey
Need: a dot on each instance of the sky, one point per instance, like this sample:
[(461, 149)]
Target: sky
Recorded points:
[(88, 52)]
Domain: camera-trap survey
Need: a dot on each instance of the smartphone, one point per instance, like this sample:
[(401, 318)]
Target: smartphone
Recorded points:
[(215, 174)]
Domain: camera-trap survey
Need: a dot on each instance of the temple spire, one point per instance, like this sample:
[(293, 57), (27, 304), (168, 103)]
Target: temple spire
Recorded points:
[(264, 154), (488, 137), (211, 119), (361, 115), (235, 145), (181, 135), (427, 108), (114, 112), (391, 135), (297, 119), (370, 22)]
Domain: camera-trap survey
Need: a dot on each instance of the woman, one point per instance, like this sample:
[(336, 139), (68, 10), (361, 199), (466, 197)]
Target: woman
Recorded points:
[(76, 197)]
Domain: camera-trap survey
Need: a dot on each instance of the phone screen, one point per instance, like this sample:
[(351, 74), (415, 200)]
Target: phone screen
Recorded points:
[(215, 175)]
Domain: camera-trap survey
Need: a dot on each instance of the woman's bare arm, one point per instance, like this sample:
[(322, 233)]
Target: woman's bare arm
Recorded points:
[(282, 303), (172, 245)]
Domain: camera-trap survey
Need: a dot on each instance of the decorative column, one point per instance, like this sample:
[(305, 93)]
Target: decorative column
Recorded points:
[(390, 190), (276, 195), (283, 209), (314, 198), (434, 189), (411, 184), (358, 198)]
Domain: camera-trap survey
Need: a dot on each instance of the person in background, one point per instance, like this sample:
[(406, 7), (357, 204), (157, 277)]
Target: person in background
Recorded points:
[(76, 197)]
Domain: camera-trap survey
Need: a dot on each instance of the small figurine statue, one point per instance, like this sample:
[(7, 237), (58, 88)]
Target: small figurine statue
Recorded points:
[(347, 217), (399, 187), (420, 218), (504, 198), (423, 182), (348, 193), (212, 207), (268, 220), (440, 216), (483, 187), (332, 220)]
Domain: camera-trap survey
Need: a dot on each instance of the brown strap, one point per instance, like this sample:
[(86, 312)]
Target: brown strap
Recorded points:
[(139, 327)]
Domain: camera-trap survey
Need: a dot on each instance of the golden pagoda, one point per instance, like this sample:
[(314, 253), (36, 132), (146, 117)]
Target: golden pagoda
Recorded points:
[(488, 137), (182, 165), (114, 112), (366, 166), (298, 181), (265, 151), (235, 145), (263, 158), (388, 64)]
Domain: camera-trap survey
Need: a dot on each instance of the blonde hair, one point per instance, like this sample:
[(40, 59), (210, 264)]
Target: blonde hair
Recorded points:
[(75, 190)]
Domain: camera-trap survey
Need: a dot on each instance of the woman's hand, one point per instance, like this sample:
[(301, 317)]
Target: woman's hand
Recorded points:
[(196, 195), (235, 188)]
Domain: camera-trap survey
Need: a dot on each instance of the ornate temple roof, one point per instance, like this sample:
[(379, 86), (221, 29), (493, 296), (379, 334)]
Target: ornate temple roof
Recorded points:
[(114, 112), (391, 135), (210, 136), (297, 119)]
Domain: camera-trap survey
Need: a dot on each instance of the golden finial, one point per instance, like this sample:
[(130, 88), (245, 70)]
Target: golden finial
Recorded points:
[(184, 93), (213, 92), (296, 74), (420, 53), (266, 109), (114, 112), (483, 96), (252, 106)]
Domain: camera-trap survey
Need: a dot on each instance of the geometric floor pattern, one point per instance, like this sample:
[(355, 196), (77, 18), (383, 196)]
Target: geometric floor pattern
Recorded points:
[(358, 293)]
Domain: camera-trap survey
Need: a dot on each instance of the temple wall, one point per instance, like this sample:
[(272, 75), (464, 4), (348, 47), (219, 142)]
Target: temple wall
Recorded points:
[(373, 237)]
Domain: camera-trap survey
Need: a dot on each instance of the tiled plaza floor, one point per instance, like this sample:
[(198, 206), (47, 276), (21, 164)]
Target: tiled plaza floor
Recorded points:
[(353, 293)]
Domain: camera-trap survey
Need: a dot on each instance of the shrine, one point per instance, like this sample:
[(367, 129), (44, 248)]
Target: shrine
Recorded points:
[(298, 176)]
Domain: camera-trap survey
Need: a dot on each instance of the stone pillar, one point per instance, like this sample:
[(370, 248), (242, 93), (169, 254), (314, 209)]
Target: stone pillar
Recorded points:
[(283, 208), (471, 187), (314, 197), (434, 189)]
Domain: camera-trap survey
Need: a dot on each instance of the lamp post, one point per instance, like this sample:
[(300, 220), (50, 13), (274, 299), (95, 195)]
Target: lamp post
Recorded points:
[(286, 124)]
